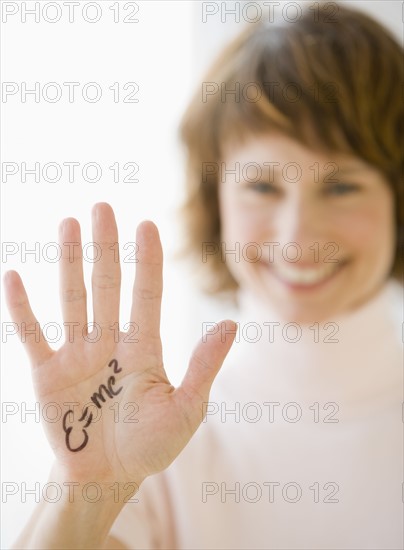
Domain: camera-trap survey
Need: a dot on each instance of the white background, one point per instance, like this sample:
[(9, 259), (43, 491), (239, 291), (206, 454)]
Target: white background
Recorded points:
[(166, 54)]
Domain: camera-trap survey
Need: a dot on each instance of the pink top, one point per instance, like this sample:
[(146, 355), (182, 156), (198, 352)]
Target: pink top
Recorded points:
[(302, 446)]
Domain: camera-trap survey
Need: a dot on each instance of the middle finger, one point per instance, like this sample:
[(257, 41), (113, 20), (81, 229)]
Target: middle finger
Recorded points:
[(106, 277)]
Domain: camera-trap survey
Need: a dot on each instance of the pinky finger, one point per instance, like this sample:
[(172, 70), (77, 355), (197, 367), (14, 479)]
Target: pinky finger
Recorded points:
[(29, 330)]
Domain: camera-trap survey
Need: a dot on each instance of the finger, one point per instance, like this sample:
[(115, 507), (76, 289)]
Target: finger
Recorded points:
[(73, 294), (148, 286), (106, 277), (21, 313), (207, 359)]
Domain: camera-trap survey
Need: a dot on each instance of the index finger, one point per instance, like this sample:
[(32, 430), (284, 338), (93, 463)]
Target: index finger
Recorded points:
[(106, 276), (29, 331)]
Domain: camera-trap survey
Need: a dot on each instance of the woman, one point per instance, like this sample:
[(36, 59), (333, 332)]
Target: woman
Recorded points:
[(294, 204)]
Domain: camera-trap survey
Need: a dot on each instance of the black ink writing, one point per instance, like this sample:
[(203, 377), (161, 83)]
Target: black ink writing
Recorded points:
[(100, 395), (114, 363)]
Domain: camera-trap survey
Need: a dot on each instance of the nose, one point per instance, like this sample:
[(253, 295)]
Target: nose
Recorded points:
[(300, 220)]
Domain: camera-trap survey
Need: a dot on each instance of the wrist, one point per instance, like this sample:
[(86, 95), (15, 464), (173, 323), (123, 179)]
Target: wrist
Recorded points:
[(74, 512), (106, 491)]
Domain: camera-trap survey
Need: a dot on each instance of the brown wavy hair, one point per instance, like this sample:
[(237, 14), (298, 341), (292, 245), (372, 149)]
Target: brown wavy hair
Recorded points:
[(334, 82)]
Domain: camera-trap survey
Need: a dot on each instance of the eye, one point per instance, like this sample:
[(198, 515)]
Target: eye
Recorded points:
[(340, 189), (263, 187)]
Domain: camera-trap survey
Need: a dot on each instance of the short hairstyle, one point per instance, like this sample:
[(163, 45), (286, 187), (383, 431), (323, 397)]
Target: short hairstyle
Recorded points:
[(334, 83)]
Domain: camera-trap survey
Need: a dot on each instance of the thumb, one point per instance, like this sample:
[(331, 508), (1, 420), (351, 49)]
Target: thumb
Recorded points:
[(207, 358)]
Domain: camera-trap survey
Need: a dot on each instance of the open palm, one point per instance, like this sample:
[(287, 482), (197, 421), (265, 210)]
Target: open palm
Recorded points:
[(122, 419)]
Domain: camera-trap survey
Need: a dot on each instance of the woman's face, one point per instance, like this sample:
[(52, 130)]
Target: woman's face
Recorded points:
[(311, 233)]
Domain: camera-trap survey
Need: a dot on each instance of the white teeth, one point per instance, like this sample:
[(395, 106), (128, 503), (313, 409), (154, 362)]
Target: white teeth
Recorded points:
[(305, 276)]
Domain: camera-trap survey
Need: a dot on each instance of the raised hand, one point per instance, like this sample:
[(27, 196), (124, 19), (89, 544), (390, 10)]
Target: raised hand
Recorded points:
[(122, 419)]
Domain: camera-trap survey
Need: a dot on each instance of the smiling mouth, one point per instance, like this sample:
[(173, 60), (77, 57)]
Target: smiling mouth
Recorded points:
[(305, 277)]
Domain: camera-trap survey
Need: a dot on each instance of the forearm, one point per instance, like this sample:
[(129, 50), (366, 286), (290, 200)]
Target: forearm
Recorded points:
[(80, 519), (67, 525)]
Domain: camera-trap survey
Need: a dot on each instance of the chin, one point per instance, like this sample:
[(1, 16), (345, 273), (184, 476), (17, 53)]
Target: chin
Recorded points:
[(302, 306), (307, 311), (305, 317)]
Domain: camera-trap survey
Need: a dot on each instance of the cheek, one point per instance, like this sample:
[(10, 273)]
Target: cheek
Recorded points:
[(366, 229), (243, 227), (240, 222)]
